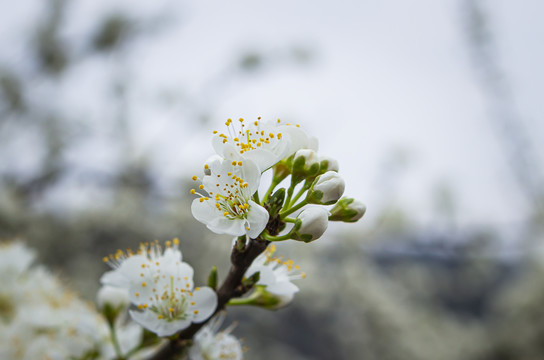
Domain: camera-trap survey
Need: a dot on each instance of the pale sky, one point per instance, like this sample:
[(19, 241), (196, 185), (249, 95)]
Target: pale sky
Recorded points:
[(388, 76)]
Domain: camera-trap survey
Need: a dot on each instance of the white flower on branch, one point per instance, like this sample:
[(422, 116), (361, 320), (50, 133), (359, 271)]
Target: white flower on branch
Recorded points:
[(228, 207), (264, 143), (276, 274), (161, 286)]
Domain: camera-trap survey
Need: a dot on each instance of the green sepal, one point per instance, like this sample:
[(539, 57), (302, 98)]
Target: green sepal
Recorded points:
[(212, 278), (249, 282), (275, 202)]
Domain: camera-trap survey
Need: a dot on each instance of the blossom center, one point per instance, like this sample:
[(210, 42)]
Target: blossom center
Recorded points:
[(230, 192), (251, 137)]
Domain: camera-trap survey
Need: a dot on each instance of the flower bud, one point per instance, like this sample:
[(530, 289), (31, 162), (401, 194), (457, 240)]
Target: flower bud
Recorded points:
[(305, 163), (327, 164), (326, 189), (347, 210), (268, 300), (312, 223), (112, 301)]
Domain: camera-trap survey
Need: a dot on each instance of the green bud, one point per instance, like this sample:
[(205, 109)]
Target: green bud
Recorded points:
[(212, 278), (347, 210), (327, 164), (275, 202), (252, 280), (305, 165), (112, 302), (262, 298)]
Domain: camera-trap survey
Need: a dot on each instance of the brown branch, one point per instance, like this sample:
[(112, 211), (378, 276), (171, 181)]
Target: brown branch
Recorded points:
[(231, 287)]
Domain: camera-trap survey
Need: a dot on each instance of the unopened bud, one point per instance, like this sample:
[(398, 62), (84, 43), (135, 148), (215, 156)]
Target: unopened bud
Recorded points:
[(347, 210), (262, 298), (312, 223), (305, 163), (326, 189), (327, 164), (112, 301)]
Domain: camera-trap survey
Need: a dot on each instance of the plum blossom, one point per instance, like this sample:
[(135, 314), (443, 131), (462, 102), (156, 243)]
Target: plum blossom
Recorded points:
[(211, 344), (227, 207), (266, 143), (161, 286), (276, 274)]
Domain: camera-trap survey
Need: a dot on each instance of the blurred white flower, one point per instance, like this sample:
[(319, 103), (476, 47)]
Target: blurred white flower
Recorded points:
[(112, 296), (210, 344), (15, 257), (162, 288), (276, 274), (39, 318), (228, 207)]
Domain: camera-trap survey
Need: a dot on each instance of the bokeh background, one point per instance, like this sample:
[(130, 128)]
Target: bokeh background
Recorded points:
[(432, 108)]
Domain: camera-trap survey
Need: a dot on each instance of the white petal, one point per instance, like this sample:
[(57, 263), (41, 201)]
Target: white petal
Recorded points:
[(298, 138), (263, 158), (282, 288), (251, 174), (114, 278), (205, 302), (126, 274), (218, 145), (213, 160), (161, 327), (222, 225), (266, 275), (225, 149), (204, 211), (171, 255), (258, 218)]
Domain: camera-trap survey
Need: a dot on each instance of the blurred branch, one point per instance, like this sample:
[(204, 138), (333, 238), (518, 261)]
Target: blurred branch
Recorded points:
[(505, 118), (51, 52)]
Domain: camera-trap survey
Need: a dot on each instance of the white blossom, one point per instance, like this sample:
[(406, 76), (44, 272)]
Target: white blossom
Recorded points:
[(227, 207), (211, 344), (276, 274), (161, 286), (266, 143), (41, 319), (112, 296)]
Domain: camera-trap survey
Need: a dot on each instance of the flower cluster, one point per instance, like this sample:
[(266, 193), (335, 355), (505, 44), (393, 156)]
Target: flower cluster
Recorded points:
[(153, 288), (274, 288), (40, 319), (161, 286), (305, 193), (229, 202)]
